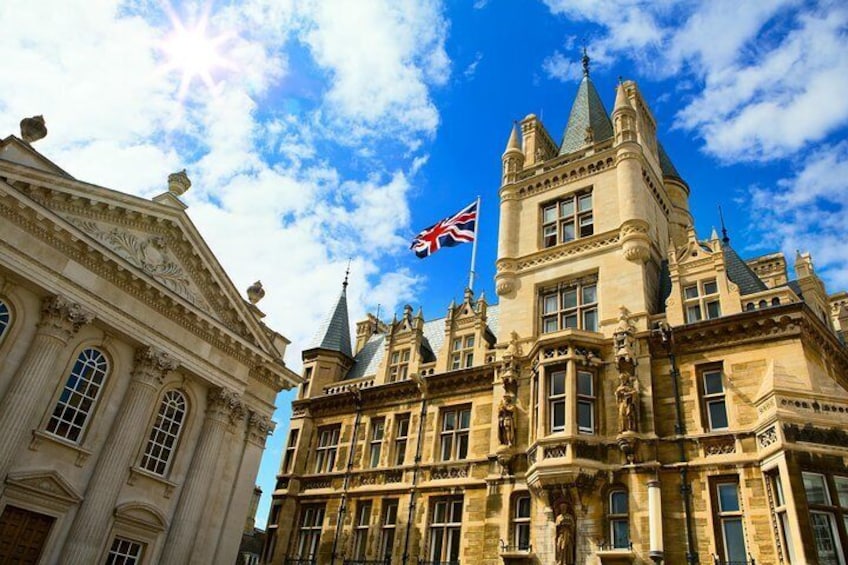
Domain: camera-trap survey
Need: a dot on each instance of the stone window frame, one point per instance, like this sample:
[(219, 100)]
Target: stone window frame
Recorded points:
[(444, 522), (63, 402), (462, 351), (774, 484), (586, 398), (399, 359), (701, 300), (307, 380), (326, 453), (401, 442), (556, 399), (361, 527), (562, 311), (617, 516), (556, 217), (708, 398), (388, 527), (310, 524), (154, 427), (833, 508), (6, 318), (289, 454), (722, 516), (520, 523), (456, 435), (376, 437)]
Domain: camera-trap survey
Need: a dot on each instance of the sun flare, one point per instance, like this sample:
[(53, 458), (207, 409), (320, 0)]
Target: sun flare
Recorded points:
[(191, 51)]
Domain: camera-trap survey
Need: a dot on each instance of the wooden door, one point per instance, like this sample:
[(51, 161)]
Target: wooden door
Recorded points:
[(22, 535)]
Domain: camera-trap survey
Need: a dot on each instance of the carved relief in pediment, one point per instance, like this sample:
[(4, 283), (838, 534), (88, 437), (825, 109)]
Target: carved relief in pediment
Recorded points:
[(149, 253)]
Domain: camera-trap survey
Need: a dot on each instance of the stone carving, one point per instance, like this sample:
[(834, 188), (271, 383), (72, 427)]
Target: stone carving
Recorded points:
[(259, 427), (33, 129), (625, 343), (148, 254), (178, 183), (255, 292), (627, 397), (152, 365), (223, 403), (459, 472), (506, 420), (767, 438), (590, 136), (566, 529), (63, 317), (724, 446)]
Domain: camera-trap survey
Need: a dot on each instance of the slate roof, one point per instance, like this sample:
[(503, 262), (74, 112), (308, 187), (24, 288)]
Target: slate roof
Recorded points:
[(368, 359), (668, 168), (334, 332), (587, 111), (740, 273), (665, 285)]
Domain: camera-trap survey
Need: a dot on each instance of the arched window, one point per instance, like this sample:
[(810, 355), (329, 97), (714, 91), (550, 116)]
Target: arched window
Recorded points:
[(79, 396), (165, 433), (521, 522), (5, 318), (775, 301), (619, 519)]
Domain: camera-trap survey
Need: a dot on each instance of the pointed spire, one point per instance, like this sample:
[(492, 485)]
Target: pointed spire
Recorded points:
[(714, 235), (512, 144), (585, 63), (621, 100), (334, 332), (724, 238), (588, 121)]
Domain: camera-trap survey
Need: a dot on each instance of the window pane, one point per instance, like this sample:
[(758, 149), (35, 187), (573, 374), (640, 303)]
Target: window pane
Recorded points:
[(618, 502), (522, 507), (549, 325), (558, 416), (567, 232), (713, 310), (718, 415), (590, 320), (587, 226), (567, 208), (816, 489), (569, 321), (457, 344), (734, 540), (710, 287), (469, 341), (712, 383), (620, 534), (585, 416), (842, 490), (590, 294), (585, 383), (549, 235), (465, 419), (557, 383), (549, 214), (584, 203), (522, 536), (728, 498), (462, 446), (449, 422), (549, 304), (569, 298), (824, 538), (693, 314), (690, 292), (447, 445)]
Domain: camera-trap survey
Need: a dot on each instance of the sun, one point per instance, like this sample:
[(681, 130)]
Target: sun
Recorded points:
[(191, 51)]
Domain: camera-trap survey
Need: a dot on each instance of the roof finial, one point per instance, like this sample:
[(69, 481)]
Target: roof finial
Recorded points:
[(724, 238), (347, 273), (585, 63)]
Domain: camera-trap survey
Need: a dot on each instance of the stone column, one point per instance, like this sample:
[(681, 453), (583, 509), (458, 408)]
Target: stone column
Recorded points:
[(23, 404), (88, 531), (222, 405), (258, 428)]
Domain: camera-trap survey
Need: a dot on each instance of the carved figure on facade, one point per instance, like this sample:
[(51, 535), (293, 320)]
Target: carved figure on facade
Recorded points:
[(566, 529), (624, 341), (506, 420), (627, 397)]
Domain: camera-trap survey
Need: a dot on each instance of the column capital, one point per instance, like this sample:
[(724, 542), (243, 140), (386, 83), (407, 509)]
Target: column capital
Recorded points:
[(259, 427), (224, 404), (152, 365), (62, 318)]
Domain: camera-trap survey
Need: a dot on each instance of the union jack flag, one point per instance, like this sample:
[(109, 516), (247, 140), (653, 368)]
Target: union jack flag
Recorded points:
[(456, 229)]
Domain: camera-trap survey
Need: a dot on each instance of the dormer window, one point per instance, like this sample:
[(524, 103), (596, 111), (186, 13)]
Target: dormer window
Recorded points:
[(701, 301), (567, 219), (462, 352), (399, 365)]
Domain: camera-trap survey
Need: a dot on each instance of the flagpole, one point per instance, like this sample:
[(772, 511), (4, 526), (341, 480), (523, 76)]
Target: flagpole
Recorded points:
[(474, 247)]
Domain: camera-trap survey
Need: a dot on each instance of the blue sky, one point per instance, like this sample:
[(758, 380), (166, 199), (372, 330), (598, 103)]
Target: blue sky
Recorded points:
[(318, 131)]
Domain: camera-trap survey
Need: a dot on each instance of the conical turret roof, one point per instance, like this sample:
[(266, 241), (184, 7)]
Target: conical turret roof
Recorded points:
[(587, 112), (334, 332)]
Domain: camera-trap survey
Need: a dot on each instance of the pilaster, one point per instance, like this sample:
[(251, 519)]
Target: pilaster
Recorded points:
[(222, 406), (31, 387), (88, 531)]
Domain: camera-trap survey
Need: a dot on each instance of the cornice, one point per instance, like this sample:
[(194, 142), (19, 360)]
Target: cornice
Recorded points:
[(584, 246), (562, 172)]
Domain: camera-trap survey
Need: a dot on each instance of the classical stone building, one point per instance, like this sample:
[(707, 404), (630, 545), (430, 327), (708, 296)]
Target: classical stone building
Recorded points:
[(136, 385), (638, 394)]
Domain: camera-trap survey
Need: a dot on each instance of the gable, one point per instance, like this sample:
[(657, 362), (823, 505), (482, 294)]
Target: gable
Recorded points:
[(16, 151)]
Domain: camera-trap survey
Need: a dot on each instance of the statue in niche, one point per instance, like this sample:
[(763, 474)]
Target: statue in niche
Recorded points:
[(625, 346), (506, 420), (566, 529), (627, 397), (590, 136)]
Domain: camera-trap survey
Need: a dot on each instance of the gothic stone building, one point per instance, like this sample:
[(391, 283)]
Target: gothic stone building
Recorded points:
[(638, 395), (136, 385)]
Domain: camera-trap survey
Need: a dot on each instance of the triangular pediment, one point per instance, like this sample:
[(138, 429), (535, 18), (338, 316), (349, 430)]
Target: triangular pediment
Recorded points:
[(20, 152), (47, 483), (153, 244)]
